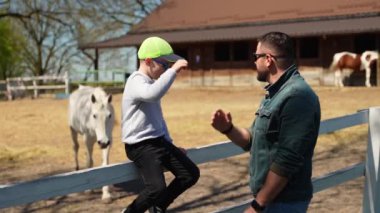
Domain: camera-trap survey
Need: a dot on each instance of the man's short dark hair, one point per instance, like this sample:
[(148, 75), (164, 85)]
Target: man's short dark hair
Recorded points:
[(281, 44)]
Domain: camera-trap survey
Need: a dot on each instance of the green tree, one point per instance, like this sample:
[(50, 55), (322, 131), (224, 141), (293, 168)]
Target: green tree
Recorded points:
[(10, 51), (54, 29)]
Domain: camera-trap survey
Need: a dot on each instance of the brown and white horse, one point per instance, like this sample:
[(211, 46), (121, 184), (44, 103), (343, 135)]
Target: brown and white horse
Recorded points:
[(353, 62), (368, 58)]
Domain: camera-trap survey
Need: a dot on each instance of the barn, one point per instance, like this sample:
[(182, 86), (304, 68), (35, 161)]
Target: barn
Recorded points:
[(221, 35)]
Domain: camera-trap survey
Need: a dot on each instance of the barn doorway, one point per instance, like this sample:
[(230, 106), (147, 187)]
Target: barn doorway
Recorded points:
[(364, 42)]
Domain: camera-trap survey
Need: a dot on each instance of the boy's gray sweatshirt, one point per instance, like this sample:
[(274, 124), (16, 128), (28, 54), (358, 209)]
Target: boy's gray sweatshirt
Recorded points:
[(141, 107)]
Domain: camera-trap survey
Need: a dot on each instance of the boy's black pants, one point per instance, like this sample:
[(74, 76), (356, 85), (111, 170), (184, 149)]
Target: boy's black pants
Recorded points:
[(151, 157)]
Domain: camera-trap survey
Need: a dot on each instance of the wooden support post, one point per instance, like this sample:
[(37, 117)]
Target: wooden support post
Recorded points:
[(35, 88), (230, 75), (212, 77), (203, 77), (372, 174), (322, 76), (191, 77), (96, 66), (9, 90), (67, 82)]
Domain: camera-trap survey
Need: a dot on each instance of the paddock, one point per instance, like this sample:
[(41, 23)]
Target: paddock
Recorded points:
[(25, 150)]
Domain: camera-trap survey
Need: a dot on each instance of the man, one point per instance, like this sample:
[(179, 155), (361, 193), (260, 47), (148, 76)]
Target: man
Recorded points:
[(144, 132), (283, 135)]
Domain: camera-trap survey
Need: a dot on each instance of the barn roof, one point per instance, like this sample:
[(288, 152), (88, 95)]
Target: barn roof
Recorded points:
[(214, 20)]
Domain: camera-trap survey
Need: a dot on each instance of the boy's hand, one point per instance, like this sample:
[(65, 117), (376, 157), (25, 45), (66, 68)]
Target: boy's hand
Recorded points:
[(179, 65)]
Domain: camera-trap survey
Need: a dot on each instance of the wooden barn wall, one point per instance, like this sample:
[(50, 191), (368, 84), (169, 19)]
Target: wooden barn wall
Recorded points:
[(201, 55)]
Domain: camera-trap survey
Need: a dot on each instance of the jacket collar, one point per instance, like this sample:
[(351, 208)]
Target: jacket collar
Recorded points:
[(272, 89)]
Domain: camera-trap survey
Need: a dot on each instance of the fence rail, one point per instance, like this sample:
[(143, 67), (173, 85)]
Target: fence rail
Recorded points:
[(20, 84), (319, 184), (114, 75), (369, 168), (17, 86), (77, 181)]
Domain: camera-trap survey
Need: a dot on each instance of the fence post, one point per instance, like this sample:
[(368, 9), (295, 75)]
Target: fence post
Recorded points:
[(67, 82), (9, 90), (372, 173), (35, 88)]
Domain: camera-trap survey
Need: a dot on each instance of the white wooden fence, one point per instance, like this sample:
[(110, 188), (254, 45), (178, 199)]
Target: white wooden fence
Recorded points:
[(18, 86), (23, 84), (62, 184), (111, 75)]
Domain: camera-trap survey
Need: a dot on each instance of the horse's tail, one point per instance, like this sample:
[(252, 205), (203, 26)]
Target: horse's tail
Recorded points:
[(334, 63)]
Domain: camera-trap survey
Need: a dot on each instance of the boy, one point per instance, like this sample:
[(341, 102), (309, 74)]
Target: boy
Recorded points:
[(144, 132)]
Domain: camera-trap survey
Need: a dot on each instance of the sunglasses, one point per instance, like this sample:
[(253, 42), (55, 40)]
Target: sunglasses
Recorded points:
[(164, 64), (258, 55)]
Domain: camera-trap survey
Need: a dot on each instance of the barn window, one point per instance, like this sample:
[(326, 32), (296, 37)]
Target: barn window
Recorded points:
[(241, 51), (309, 47), (222, 51)]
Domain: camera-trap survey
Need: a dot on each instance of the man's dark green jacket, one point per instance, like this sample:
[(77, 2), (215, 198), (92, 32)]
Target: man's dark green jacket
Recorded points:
[(284, 135)]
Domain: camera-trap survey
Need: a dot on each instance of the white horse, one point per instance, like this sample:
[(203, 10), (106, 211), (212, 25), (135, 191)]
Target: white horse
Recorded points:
[(353, 62), (92, 115)]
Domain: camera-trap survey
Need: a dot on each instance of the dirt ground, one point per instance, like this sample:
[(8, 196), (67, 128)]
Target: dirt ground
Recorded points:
[(35, 142)]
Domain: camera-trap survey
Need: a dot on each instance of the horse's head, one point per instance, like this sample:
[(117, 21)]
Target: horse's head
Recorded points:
[(102, 117)]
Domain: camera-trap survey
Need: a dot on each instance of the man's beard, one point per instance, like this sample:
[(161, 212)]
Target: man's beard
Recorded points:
[(262, 76)]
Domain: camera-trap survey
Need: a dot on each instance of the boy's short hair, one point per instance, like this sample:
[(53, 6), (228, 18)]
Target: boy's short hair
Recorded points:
[(156, 47)]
